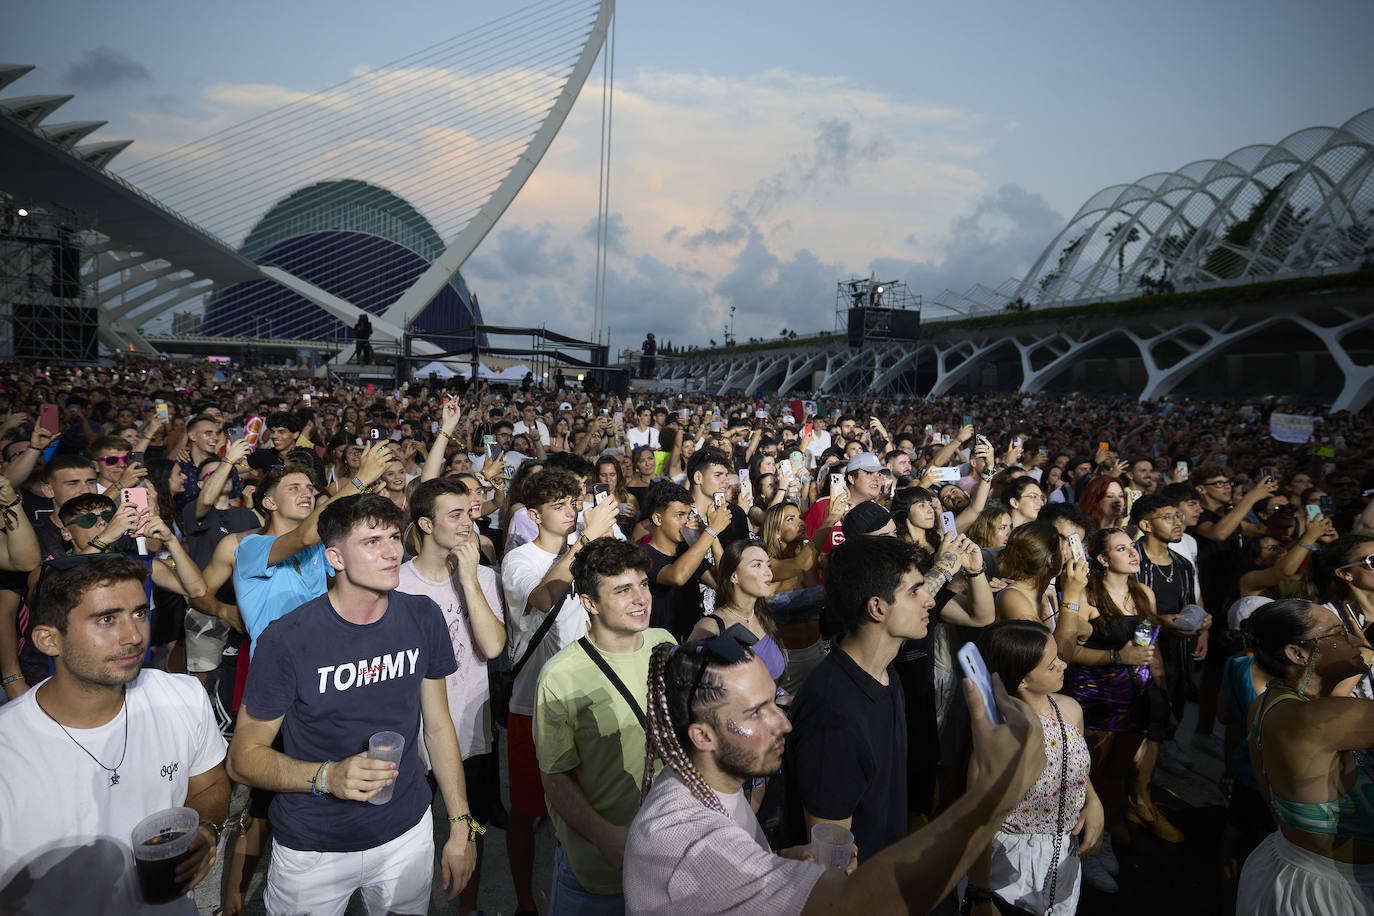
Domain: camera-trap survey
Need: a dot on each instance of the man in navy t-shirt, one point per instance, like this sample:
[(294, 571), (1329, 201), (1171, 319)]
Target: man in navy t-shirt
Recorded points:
[(358, 660)]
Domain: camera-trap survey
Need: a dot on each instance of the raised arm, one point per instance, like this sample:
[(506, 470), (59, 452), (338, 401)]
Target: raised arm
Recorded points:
[(449, 415), (307, 534)]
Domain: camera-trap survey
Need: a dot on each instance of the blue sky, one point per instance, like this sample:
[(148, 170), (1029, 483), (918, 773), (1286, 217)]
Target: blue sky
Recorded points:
[(942, 144)]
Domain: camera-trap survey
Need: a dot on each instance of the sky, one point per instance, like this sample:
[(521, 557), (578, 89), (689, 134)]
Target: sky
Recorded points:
[(762, 151)]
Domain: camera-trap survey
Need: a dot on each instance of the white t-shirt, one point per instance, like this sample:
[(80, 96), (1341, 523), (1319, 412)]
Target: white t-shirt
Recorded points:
[(525, 529), (520, 427), (469, 691), (521, 572), (637, 437), (1187, 548), (682, 857), (62, 820)]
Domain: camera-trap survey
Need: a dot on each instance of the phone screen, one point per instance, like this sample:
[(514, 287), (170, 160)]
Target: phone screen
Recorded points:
[(968, 419), (719, 500)]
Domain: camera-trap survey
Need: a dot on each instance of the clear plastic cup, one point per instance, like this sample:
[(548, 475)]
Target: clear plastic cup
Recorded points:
[(161, 842), (386, 746), (832, 845)]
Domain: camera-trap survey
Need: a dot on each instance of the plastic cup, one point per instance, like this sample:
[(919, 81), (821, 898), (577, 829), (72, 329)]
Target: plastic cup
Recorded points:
[(386, 746), (161, 842), (832, 845)]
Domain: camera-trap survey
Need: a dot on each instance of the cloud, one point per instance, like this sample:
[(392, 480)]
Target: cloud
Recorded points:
[(522, 252), (998, 238), (101, 69)]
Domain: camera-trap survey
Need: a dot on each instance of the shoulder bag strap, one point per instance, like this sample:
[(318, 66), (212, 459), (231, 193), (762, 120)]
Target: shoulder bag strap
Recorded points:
[(595, 656), (1063, 791), (540, 633)]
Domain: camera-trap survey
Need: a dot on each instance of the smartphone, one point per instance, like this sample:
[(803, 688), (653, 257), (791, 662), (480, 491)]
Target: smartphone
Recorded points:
[(1181, 468), (236, 433), (375, 433), (493, 452), (718, 499), (836, 483), (135, 496), (600, 493), (761, 414), (1271, 473), (807, 429), (947, 523), (744, 477), (1044, 452), (976, 670), (968, 419), (1328, 505), (1313, 512), (488, 440), (1016, 441), (434, 426), (605, 412), (715, 426), (48, 418), (946, 475), (1103, 447), (1076, 548), (161, 408)]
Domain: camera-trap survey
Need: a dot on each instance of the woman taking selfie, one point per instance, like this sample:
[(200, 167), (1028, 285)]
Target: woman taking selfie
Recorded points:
[(1309, 750), (1033, 862)]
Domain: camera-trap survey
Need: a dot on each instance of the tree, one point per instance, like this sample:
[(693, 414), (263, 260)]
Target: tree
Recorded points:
[(1132, 236)]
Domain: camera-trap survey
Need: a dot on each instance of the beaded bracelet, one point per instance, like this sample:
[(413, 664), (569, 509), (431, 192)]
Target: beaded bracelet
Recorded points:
[(320, 781)]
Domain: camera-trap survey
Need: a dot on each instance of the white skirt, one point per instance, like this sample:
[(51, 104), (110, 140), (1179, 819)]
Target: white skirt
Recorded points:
[(1284, 879), (1021, 872)]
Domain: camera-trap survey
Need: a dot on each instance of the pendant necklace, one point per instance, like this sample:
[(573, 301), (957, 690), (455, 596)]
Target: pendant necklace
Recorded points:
[(113, 771)]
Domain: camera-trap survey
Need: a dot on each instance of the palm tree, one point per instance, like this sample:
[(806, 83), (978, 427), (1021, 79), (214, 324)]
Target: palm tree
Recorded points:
[(1132, 236)]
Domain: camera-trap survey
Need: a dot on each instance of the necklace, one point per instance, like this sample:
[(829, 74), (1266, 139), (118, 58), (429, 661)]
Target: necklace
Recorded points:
[(732, 611), (114, 772)]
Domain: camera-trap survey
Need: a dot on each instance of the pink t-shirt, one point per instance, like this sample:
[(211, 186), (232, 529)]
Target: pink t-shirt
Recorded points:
[(682, 857)]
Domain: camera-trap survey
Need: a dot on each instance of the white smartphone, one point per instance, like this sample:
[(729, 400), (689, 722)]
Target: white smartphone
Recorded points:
[(836, 483), (1076, 548), (974, 668), (718, 499), (947, 523), (601, 492), (946, 475)]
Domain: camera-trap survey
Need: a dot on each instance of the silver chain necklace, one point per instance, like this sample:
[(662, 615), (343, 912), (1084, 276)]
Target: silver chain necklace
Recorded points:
[(113, 771)]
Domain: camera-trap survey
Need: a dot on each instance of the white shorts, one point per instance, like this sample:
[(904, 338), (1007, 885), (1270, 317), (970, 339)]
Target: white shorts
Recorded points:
[(395, 877)]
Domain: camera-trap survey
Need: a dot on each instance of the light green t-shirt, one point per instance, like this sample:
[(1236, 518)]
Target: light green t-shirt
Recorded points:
[(583, 725)]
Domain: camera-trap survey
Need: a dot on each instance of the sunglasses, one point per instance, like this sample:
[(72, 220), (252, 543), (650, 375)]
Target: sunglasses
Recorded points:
[(1367, 563), (729, 647), (90, 519), (114, 461)]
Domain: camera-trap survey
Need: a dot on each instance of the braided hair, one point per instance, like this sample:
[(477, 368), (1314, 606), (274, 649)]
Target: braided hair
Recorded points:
[(672, 670)]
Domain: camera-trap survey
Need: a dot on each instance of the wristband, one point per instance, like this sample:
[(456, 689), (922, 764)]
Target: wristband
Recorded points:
[(1068, 605), (11, 679), (1116, 657), (358, 482), (583, 539), (317, 781), (448, 436), (474, 829), (712, 532), (1307, 546), (976, 573), (99, 544)]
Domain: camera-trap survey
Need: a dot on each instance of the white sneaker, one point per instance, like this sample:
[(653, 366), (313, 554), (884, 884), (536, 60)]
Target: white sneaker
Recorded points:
[(1095, 875), (1107, 855)]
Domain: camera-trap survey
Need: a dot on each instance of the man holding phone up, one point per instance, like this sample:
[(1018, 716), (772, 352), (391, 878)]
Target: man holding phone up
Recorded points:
[(865, 477)]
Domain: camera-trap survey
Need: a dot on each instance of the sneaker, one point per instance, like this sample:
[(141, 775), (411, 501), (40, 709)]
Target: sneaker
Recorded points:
[(1107, 855), (1150, 817), (1173, 750), (1095, 875)]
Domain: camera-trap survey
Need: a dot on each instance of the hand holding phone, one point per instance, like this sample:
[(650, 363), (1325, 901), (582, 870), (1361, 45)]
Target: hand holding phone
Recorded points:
[(947, 523), (976, 670), (601, 492)]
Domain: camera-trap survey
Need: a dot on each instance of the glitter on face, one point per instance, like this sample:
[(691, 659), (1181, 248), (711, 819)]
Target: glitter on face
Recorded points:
[(738, 730)]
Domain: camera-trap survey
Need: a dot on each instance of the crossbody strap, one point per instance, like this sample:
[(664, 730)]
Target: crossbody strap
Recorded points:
[(543, 631), (595, 656)]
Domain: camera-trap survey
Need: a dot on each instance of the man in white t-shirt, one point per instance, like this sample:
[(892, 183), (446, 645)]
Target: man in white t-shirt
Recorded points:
[(643, 433), (447, 570), (530, 421), (98, 747), (537, 579)]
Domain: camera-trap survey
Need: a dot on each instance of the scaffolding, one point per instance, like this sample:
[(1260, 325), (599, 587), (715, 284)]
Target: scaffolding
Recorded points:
[(871, 293), (46, 311)]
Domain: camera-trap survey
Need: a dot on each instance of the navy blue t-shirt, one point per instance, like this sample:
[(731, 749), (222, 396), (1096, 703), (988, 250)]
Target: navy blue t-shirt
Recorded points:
[(336, 684)]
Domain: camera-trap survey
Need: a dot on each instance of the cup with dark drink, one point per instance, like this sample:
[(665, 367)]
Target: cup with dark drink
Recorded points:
[(161, 842)]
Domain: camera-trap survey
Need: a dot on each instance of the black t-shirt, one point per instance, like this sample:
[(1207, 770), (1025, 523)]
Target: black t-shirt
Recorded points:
[(1172, 584), (1217, 566), (676, 608), (738, 529), (849, 751)]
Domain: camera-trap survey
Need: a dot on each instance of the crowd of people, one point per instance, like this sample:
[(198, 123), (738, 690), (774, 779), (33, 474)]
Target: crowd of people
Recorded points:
[(696, 631)]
